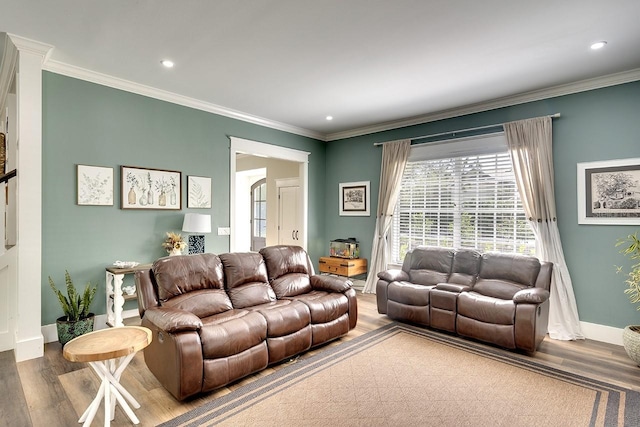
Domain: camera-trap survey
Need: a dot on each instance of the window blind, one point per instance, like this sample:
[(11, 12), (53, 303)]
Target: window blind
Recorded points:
[(466, 201)]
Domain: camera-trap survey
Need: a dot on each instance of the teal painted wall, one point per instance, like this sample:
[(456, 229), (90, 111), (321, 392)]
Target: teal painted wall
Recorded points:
[(602, 124), (89, 124)]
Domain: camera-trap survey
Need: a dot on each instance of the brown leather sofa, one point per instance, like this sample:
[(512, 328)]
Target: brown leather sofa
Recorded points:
[(501, 299), (218, 318)]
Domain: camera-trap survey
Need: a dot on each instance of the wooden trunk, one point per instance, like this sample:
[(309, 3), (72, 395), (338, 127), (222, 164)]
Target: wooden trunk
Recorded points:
[(343, 266)]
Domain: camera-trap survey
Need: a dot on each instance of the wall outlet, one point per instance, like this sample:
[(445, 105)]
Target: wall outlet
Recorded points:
[(224, 231)]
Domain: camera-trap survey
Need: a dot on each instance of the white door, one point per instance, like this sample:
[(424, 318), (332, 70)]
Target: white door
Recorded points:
[(289, 215)]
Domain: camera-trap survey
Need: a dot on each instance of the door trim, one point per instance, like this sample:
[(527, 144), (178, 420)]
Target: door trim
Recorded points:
[(246, 146)]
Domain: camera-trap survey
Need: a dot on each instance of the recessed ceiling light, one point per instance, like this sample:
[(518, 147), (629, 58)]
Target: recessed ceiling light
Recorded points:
[(598, 45), (167, 63), (329, 118)]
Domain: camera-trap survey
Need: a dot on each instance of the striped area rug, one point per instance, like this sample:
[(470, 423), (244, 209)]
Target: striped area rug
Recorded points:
[(400, 375)]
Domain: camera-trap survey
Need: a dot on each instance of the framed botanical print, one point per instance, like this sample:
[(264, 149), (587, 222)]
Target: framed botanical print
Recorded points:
[(144, 188), (94, 185)]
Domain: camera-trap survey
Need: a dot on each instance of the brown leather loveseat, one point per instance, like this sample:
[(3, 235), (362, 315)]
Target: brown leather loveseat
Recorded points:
[(218, 318), (501, 299)]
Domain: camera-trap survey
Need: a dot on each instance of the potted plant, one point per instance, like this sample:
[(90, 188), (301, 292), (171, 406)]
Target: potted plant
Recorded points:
[(77, 319), (631, 334), (174, 244)]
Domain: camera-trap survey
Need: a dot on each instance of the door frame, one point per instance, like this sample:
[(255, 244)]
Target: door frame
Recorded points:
[(255, 148)]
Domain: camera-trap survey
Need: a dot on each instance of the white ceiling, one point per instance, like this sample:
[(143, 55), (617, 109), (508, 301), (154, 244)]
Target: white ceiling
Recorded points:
[(365, 62)]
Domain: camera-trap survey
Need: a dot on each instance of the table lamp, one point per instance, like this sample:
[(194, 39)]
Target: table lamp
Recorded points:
[(196, 223)]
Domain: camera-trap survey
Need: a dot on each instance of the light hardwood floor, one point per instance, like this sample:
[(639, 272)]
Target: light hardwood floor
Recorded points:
[(50, 391)]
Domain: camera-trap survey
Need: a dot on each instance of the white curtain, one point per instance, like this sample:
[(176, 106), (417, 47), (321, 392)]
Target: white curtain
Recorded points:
[(530, 146), (394, 160)]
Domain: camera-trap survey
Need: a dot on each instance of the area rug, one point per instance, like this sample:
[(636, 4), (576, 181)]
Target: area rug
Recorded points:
[(400, 375)]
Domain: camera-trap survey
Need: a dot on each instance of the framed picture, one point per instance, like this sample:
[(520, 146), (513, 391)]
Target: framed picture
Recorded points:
[(144, 188), (609, 192), (94, 185), (199, 192), (354, 198)]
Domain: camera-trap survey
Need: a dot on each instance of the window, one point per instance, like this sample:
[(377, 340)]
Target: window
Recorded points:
[(461, 194)]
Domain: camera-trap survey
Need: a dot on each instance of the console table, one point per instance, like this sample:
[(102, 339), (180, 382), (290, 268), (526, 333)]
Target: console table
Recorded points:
[(108, 352), (115, 298)]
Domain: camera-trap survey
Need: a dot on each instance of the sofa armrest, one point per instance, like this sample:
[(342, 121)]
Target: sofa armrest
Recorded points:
[(453, 287), (531, 296), (173, 320), (330, 283), (394, 275)]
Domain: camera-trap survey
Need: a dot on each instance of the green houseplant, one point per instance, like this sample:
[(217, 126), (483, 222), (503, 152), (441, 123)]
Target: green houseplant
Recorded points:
[(77, 319), (631, 334)]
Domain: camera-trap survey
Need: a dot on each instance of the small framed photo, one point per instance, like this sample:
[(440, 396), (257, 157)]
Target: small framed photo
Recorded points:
[(144, 188), (199, 192), (609, 192), (94, 185), (354, 198)]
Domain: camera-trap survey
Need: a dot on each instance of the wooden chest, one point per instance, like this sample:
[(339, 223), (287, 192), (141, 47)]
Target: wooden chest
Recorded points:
[(343, 266)]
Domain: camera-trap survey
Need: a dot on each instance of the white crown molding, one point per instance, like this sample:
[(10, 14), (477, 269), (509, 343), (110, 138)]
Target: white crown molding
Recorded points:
[(35, 47), (129, 86), (537, 95)]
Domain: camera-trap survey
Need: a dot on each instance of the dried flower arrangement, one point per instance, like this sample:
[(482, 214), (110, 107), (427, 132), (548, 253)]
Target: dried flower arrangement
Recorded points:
[(174, 243)]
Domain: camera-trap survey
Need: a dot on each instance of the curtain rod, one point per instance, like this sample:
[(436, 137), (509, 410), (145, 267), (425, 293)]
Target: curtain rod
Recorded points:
[(453, 132)]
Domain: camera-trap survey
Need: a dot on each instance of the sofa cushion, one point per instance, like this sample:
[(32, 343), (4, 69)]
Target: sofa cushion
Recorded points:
[(466, 266), (510, 267), (246, 279), (282, 260), (232, 332), (178, 275), (430, 265), (202, 303), (409, 293), (486, 309), (284, 317), (324, 306), (291, 285)]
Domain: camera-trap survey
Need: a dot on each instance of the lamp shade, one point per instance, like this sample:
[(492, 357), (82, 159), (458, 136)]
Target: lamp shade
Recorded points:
[(196, 223)]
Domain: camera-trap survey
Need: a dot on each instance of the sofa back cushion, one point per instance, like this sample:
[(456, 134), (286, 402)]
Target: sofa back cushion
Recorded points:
[(178, 275), (288, 268), (502, 275), (466, 266), (246, 279), (430, 265)]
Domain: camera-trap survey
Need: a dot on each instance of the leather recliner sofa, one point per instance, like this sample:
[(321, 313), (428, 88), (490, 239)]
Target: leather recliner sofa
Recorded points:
[(502, 299), (218, 318)]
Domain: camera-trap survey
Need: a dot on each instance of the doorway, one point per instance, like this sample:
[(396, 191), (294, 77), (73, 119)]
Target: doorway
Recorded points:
[(259, 215), (240, 148)]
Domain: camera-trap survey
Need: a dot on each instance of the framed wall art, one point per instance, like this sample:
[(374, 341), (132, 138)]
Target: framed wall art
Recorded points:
[(609, 192), (144, 188), (354, 198), (199, 192), (94, 185)]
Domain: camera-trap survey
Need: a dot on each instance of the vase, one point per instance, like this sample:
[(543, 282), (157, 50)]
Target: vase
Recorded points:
[(143, 199), (175, 252), (70, 329), (131, 197), (631, 342), (162, 200), (150, 197), (172, 197)]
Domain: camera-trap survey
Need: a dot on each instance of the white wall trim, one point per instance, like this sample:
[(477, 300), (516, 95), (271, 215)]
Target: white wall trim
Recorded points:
[(536, 95), (163, 95), (603, 333), (50, 331)]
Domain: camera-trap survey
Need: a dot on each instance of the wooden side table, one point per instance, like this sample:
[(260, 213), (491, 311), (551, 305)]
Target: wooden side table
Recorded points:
[(108, 352), (115, 298), (343, 266)]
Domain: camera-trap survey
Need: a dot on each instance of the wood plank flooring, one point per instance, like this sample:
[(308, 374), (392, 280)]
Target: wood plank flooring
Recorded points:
[(51, 392)]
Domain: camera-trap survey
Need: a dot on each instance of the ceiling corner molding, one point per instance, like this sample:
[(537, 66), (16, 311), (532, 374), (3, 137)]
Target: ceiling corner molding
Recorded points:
[(31, 46), (537, 95), (162, 95)]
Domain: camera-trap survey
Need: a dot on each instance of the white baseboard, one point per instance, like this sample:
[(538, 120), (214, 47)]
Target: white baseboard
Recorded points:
[(608, 334), (30, 348), (50, 333)]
